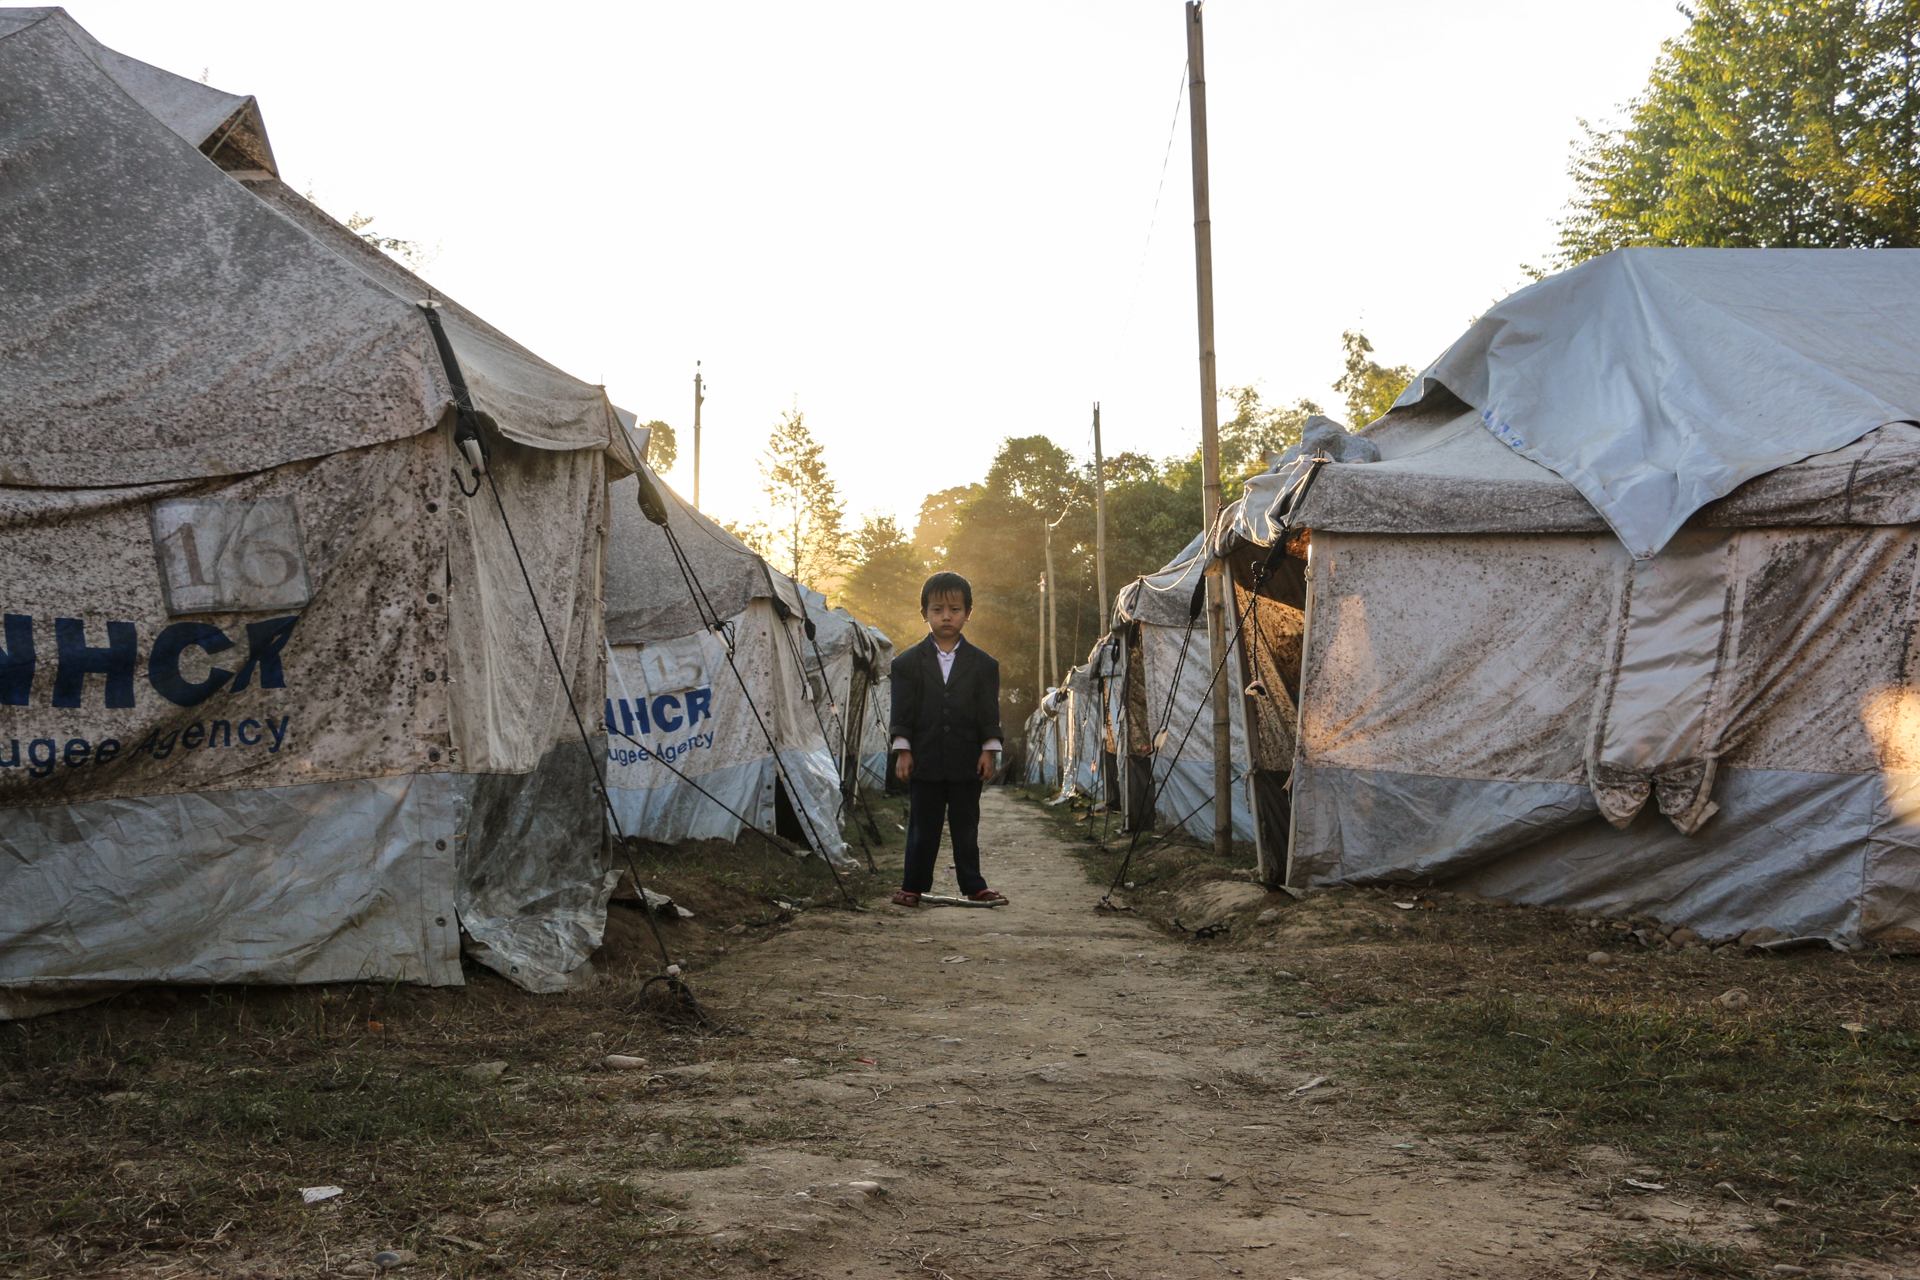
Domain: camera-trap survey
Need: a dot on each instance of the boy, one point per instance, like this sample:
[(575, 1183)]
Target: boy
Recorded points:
[(946, 727)]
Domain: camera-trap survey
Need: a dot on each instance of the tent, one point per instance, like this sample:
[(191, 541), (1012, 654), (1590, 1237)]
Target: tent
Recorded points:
[(692, 735), (844, 665), (1622, 619), (275, 705), (1165, 709), (1084, 761), (875, 724), (1043, 747)]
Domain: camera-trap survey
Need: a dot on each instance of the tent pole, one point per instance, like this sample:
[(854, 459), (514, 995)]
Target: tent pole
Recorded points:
[(1209, 433), (1100, 519)]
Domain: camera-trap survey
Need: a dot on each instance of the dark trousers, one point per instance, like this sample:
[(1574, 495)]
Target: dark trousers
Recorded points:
[(931, 805)]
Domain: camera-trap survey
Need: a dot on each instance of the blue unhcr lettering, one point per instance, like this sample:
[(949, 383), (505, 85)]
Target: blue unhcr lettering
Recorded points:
[(660, 717), (699, 706), (163, 663), (16, 661), (279, 732), (224, 728), (107, 750), (78, 660), (265, 640), (77, 752), (35, 765), (244, 739), (14, 761)]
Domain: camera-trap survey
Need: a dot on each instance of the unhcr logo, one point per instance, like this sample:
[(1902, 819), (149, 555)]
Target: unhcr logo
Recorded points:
[(117, 661), (664, 713)]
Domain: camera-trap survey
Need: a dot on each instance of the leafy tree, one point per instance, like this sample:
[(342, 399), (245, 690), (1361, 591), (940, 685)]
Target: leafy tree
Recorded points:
[(662, 448), (882, 586), (802, 534), (1767, 123), (1257, 428), (1369, 386), (938, 514)]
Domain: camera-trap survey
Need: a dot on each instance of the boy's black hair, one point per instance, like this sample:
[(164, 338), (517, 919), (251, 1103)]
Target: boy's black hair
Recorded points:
[(942, 583)]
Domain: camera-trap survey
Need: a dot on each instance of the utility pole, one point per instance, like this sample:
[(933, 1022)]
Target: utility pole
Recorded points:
[(1040, 657), (1100, 521), (699, 398), (1053, 618), (1210, 434)]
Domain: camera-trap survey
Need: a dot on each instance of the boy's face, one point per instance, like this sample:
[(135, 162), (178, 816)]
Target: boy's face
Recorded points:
[(946, 614)]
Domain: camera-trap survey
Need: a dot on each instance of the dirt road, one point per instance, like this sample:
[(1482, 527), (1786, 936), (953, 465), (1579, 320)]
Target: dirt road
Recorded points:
[(1056, 1091)]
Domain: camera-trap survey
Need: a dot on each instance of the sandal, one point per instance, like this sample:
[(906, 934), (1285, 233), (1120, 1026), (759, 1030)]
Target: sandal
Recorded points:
[(987, 895), (903, 898)]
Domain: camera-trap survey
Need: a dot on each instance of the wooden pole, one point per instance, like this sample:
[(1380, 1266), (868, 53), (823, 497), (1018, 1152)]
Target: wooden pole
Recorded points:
[(699, 398), (1053, 618), (1100, 520), (1040, 656), (1210, 434)]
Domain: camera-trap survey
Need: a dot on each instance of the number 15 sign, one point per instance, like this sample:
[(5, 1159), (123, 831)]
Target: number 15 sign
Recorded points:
[(218, 555)]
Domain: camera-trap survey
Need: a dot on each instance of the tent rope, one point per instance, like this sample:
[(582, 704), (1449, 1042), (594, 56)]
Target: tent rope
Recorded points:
[(468, 433)]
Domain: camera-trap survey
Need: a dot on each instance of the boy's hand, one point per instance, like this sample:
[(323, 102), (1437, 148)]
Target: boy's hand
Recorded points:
[(903, 766), (985, 767)]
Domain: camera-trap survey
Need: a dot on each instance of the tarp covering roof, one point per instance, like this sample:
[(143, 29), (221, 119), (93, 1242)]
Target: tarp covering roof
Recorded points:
[(162, 320), (648, 598), (1658, 380), (1165, 596), (1442, 472)]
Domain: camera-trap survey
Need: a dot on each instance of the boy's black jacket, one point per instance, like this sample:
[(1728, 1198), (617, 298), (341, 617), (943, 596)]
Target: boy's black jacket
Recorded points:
[(945, 723)]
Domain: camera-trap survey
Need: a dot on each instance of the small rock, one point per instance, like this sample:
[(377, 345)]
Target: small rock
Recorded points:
[(1632, 1215), (868, 1188), (1599, 957), (1681, 937), (736, 931), (1754, 937), (1216, 1177), (1784, 1205), (624, 1062), (1268, 916), (485, 1070), (387, 1260), (1737, 998), (1727, 1189)]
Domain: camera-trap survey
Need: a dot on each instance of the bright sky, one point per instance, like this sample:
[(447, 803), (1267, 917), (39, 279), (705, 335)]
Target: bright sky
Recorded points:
[(927, 222)]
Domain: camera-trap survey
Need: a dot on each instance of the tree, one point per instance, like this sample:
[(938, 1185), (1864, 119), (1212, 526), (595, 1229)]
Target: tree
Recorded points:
[(662, 448), (1369, 386), (882, 585), (1256, 429), (802, 534), (1767, 123), (938, 514)]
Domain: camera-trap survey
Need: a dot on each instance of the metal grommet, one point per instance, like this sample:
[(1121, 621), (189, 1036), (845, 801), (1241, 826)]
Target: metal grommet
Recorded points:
[(440, 844), (430, 677), (433, 506), (434, 754), (433, 597), (441, 921)]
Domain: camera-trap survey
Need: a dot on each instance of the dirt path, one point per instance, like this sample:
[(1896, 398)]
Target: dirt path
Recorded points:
[(1056, 1091)]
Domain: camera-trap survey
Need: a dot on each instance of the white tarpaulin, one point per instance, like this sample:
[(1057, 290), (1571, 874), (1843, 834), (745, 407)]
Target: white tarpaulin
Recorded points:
[(274, 705), (1657, 380)]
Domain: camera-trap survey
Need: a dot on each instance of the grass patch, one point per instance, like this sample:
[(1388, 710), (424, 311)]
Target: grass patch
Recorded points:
[(1491, 1023), (1818, 1116)]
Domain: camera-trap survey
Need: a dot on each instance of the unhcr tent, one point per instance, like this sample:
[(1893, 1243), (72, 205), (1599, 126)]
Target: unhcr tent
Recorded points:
[(692, 736), (274, 702), (1622, 619), (1083, 725), (1043, 741), (1166, 715), (875, 740), (843, 668)]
